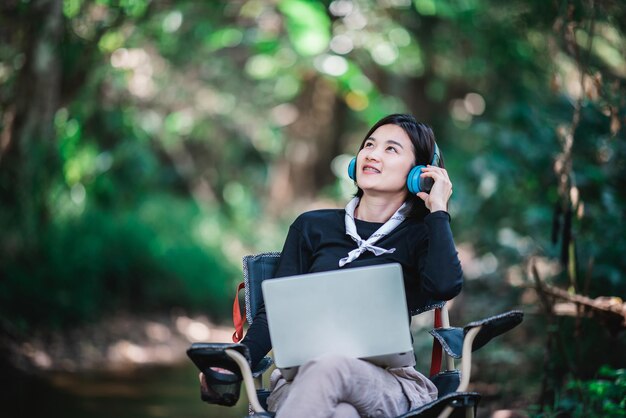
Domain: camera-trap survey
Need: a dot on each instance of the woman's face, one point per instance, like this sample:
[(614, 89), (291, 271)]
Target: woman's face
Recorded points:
[(385, 160)]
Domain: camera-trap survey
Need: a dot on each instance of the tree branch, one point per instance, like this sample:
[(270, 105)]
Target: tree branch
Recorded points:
[(609, 309)]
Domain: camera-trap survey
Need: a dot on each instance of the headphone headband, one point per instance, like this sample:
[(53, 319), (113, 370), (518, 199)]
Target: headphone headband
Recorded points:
[(436, 156)]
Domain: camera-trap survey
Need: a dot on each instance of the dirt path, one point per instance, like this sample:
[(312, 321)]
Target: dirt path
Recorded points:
[(116, 343)]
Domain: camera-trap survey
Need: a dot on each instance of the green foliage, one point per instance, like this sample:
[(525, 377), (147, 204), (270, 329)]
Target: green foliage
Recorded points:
[(101, 261), (602, 397), (308, 25), (184, 135)]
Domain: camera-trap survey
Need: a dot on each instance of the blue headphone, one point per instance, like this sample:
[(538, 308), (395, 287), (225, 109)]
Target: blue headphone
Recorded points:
[(414, 182)]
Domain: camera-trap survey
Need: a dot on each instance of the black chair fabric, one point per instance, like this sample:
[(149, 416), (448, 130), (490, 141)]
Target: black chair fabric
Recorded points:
[(224, 388), (262, 366), (257, 268), (460, 401), (426, 304), (451, 339), (447, 381), (494, 326)]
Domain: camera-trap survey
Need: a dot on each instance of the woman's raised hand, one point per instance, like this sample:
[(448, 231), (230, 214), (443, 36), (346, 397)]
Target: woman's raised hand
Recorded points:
[(441, 191)]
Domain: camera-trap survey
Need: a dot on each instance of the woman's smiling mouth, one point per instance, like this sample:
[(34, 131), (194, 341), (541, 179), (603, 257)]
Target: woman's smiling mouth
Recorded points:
[(370, 169)]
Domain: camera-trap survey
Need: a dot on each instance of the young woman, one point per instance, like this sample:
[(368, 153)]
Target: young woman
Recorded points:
[(383, 223)]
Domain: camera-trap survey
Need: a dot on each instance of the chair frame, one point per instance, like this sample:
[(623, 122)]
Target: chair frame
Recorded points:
[(447, 339), (466, 366)]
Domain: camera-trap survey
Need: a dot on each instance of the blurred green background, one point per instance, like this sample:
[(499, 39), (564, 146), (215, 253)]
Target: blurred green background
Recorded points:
[(146, 146)]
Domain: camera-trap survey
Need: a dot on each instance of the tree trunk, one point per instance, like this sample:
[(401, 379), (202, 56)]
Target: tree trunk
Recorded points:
[(30, 159), (314, 142)]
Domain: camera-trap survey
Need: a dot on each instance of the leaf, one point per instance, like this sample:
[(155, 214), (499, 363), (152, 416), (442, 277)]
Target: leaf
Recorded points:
[(308, 26)]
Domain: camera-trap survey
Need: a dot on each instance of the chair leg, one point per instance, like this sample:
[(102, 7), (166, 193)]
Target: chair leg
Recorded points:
[(466, 363), (445, 322), (469, 412), (248, 380), (466, 370), (446, 412)]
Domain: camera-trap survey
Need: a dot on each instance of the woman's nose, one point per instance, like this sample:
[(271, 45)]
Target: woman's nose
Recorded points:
[(371, 154)]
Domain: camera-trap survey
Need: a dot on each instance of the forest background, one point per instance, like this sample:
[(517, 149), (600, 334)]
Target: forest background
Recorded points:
[(146, 146)]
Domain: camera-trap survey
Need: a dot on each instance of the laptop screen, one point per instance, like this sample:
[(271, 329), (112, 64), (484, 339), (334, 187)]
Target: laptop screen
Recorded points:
[(358, 312)]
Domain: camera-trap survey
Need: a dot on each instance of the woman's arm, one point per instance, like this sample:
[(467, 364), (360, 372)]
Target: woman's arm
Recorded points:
[(257, 338), (440, 268), (295, 259), (442, 277)]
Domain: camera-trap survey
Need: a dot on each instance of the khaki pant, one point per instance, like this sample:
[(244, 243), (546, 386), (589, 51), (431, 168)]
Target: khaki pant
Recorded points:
[(341, 387)]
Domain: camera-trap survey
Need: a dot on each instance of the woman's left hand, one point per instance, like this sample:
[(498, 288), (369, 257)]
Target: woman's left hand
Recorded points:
[(441, 191)]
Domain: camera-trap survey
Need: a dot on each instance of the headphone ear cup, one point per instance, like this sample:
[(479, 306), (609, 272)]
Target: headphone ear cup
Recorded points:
[(352, 169), (413, 179)]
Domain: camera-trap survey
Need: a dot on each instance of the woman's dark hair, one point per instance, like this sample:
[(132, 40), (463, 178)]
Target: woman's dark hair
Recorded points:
[(423, 140)]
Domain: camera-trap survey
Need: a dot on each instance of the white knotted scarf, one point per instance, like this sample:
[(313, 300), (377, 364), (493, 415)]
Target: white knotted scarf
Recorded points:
[(368, 244)]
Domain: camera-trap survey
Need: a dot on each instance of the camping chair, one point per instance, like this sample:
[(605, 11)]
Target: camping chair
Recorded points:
[(449, 343)]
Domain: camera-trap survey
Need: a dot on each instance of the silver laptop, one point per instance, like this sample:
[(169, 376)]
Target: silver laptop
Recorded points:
[(358, 312)]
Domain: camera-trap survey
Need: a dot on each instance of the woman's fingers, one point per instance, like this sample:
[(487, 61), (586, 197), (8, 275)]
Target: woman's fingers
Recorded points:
[(435, 172), (441, 191), (221, 370), (203, 383), (202, 377), (441, 179)]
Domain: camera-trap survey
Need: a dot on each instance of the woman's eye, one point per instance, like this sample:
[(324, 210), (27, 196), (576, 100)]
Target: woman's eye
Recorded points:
[(368, 145), (392, 149)]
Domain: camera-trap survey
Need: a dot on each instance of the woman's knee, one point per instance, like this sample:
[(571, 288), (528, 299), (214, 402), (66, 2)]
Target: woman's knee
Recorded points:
[(332, 366), (345, 410), (330, 362)]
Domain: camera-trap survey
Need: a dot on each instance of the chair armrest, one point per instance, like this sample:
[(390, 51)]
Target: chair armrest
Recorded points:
[(210, 355), (493, 326), (452, 339), (224, 387)]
